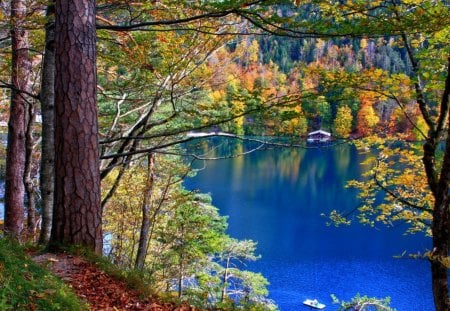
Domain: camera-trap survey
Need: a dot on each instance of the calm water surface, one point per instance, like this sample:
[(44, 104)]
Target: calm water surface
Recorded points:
[(276, 197)]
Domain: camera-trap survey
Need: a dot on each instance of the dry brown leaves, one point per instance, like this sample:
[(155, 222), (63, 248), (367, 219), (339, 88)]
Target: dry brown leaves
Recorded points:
[(101, 291)]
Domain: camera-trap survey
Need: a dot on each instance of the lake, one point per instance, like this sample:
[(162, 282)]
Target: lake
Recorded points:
[(276, 197)]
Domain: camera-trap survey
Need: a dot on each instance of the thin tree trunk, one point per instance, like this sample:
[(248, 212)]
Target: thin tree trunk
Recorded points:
[(225, 280), (180, 277), (146, 208), (15, 158), (47, 169), (77, 211), (28, 181), (115, 184)]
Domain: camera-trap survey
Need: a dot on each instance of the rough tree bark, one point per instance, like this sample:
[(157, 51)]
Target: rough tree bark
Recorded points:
[(77, 212), (15, 158), (47, 98)]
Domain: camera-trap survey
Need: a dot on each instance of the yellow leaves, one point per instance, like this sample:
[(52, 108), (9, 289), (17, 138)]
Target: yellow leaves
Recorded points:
[(337, 219), (343, 121), (363, 43), (253, 52), (398, 174), (367, 118), (217, 95), (415, 43)]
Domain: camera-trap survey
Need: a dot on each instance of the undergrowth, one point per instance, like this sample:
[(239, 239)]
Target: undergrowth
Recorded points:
[(25, 285)]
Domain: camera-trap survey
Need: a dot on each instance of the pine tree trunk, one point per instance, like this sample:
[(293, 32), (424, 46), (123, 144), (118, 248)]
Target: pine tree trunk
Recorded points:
[(77, 212), (15, 158), (48, 142), (146, 208)]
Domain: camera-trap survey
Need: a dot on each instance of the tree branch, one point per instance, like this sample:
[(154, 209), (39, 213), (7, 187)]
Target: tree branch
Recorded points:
[(394, 195), (141, 26), (5, 85)]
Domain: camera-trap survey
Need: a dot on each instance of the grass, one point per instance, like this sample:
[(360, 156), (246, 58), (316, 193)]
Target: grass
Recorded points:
[(26, 286)]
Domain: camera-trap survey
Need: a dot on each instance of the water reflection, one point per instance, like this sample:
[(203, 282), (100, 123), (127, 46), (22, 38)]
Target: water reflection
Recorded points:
[(277, 196)]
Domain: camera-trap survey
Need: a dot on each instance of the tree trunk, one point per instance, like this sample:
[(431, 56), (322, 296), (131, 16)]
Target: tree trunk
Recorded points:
[(439, 254), (225, 280), (28, 181), (77, 212), (146, 208), (15, 158), (47, 170), (180, 276), (441, 213), (439, 271)]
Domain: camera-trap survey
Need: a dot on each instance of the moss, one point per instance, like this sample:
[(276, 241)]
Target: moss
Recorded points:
[(25, 285)]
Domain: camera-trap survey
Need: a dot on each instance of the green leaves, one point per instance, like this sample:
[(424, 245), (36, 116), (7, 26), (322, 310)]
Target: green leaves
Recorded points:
[(363, 302)]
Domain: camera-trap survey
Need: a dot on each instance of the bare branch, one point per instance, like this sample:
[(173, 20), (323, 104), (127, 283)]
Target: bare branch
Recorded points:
[(5, 85)]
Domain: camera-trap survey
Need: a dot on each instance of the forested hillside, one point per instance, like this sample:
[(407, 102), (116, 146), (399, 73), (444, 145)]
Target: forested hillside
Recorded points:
[(267, 66)]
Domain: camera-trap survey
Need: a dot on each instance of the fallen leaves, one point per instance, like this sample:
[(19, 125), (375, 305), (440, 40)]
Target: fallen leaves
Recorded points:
[(101, 291)]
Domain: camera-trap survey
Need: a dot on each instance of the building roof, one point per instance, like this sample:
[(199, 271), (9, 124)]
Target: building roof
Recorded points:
[(319, 132)]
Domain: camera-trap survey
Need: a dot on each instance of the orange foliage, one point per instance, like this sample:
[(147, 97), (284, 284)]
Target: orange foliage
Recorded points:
[(367, 118)]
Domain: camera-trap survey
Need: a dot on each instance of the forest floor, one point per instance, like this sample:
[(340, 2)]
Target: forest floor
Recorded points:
[(99, 290)]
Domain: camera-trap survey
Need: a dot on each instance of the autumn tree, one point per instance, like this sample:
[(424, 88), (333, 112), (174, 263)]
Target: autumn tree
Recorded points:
[(343, 121), (367, 118)]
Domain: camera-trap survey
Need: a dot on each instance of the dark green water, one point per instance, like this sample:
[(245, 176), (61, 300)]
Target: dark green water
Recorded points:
[(277, 196)]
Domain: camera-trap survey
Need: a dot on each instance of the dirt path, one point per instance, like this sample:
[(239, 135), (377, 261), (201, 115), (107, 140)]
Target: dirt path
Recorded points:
[(101, 291)]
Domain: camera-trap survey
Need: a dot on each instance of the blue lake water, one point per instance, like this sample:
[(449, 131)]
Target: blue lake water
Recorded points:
[(276, 197)]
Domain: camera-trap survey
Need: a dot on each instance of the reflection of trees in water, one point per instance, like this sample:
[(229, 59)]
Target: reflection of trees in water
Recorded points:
[(316, 170), (342, 158), (289, 163), (276, 164)]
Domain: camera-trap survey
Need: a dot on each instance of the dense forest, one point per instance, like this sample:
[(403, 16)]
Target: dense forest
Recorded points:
[(271, 66), (101, 97)]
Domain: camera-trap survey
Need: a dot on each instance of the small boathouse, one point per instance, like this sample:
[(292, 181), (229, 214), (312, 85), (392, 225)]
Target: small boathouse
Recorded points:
[(319, 136)]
